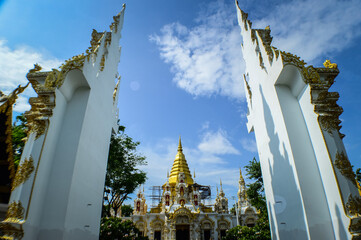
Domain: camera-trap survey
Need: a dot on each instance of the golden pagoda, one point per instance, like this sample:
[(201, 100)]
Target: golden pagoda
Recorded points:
[(182, 212), (180, 165)]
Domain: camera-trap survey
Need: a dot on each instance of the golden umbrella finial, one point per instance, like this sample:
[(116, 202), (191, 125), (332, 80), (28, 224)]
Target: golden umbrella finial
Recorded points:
[(180, 149)]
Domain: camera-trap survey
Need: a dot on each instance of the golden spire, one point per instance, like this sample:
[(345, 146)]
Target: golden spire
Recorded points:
[(180, 165), (221, 193), (241, 179), (194, 173), (180, 149)]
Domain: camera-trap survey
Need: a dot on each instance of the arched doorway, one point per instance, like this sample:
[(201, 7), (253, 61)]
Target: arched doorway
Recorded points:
[(182, 232)]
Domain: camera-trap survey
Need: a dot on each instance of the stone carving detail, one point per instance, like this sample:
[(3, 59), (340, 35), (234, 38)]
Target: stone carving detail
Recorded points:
[(114, 25), (6, 109), (23, 172), (36, 68), (41, 106), (354, 206), (325, 102), (345, 167), (15, 212), (248, 88), (11, 227)]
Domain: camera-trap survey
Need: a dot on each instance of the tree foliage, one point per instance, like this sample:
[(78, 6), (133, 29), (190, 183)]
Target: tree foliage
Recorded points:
[(122, 176), (19, 130), (259, 232), (127, 210), (255, 193), (114, 228), (358, 174)]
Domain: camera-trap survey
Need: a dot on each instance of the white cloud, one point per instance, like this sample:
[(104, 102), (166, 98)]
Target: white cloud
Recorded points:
[(249, 145), (314, 29), (14, 64), (205, 59), (217, 143)]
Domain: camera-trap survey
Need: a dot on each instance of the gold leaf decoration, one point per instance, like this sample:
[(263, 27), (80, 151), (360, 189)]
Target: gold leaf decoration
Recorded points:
[(36, 68), (289, 58), (11, 232), (310, 75), (355, 228), (15, 213), (354, 205), (328, 64), (23, 172), (248, 88), (102, 63), (345, 167)]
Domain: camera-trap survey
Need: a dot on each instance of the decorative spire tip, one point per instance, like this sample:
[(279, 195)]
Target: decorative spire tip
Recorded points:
[(180, 149)]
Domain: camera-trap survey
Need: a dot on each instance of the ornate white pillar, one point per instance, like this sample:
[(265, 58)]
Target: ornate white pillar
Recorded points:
[(310, 188)]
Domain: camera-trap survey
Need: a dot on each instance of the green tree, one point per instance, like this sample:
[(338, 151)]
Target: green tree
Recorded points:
[(255, 193), (19, 130), (358, 174), (127, 210), (122, 176), (114, 228)]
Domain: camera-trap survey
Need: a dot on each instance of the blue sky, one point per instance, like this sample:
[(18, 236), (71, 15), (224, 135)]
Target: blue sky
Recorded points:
[(181, 69)]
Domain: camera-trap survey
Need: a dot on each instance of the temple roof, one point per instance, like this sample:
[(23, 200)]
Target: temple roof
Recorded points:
[(180, 165)]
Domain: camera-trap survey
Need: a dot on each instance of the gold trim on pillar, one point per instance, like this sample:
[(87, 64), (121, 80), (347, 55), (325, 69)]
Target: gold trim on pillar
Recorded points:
[(23, 172)]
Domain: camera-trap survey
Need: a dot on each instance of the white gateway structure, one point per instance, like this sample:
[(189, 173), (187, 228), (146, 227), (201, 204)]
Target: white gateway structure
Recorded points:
[(58, 188), (309, 183)]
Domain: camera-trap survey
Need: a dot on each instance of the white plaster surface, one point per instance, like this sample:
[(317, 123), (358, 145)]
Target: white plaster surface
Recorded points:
[(63, 197), (302, 190)]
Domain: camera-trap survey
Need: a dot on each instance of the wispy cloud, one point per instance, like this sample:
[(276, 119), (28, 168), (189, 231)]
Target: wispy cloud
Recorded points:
[(14, 64), (217, 143), (249, 145), (206, 59), (314, 29)]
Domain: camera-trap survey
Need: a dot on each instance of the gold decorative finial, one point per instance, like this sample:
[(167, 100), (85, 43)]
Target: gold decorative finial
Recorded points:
[(220, 180), (268, 28), (36, 68), (328, 64), (180, 149), (241, 177), (194, 173)]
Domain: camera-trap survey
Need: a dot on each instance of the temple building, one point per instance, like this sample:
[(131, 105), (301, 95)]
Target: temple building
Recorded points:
[(247, 214), (181, 214)]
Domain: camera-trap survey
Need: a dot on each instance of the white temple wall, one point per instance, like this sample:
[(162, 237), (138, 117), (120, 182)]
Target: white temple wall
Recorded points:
[(281, 188), (307, 171), (327, 172), (62, 198), (39, 149)]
